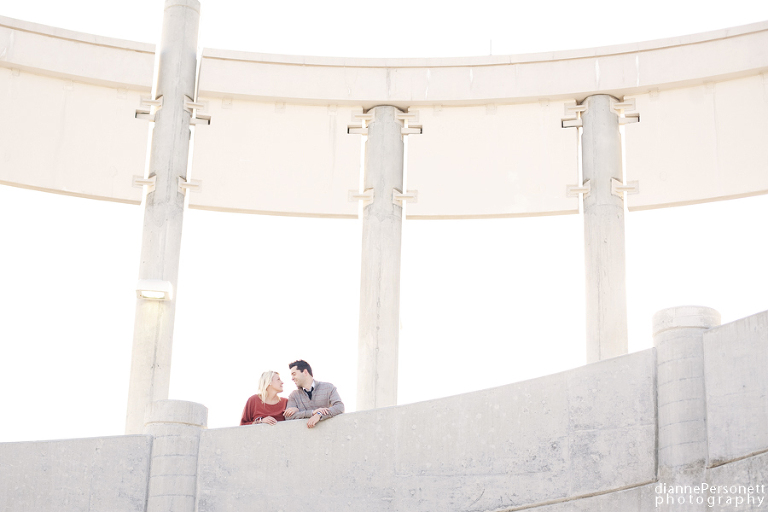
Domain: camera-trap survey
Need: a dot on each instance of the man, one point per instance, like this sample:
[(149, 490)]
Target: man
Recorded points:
[(312, 399)]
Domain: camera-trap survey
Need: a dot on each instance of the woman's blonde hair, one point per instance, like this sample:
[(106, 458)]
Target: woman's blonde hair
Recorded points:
[(264, 381)]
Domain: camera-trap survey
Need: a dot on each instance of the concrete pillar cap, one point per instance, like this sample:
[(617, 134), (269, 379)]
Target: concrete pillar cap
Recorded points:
[(611, 96), (176, 411), (192, 4), (685, 317)]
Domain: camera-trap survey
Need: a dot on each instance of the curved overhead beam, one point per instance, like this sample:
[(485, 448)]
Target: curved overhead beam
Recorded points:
[(616, 70), (87, 58)]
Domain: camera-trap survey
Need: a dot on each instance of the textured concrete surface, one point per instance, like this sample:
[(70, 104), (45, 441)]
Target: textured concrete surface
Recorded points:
[(736, 365), (105, 474), (749, 472), (636, 499), (576, 433)]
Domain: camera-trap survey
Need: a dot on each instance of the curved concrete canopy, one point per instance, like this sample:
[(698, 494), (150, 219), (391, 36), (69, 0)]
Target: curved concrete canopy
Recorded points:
[(495, 150)]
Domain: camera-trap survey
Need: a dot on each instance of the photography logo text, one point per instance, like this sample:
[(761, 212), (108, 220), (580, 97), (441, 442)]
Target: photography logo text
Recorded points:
[(711, 495)]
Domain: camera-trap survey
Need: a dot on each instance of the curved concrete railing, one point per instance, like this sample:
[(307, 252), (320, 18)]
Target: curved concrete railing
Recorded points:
[(613, 435), (583, 432)]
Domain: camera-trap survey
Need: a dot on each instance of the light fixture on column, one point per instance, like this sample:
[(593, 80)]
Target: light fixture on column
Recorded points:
[(154, 289)]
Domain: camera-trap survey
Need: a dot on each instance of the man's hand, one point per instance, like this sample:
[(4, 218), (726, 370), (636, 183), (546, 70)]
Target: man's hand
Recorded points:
[(290, 412), (322, 410), (313, 420)]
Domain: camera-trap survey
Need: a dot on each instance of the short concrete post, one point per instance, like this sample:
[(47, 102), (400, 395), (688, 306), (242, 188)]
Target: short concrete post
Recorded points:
[(603, 232), (176, 427), (379, 327), (677, 336), (164, 209)]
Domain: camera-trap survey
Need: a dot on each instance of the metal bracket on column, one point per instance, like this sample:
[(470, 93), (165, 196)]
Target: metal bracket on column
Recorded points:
[(618, 188), (193, 185), (573, 115), (412, 118), (575, 190), (366, 197), (141, 181), (194, 108), (410, 196), (190, 105), (145, 111), (360, 128), (200, 119), (627, 108)]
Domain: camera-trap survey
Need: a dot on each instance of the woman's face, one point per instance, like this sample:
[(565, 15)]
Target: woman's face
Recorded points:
[(276, 383)]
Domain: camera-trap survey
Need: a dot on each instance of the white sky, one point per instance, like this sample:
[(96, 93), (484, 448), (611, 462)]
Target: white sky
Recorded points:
[(484, 303)]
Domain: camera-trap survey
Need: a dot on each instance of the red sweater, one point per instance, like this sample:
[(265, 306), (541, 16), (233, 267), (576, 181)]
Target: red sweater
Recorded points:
[(255, 408)]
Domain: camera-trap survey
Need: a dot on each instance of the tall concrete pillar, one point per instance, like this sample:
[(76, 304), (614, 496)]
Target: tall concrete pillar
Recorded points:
[(681, 400), (603, 232), (379, 328), (164, 209), (175, 427)]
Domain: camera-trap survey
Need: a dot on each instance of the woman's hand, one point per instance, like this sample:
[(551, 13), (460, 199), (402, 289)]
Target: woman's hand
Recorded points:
[(269, 420)]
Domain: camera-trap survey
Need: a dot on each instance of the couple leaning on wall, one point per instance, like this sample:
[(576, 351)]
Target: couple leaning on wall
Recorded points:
[(312, 400)]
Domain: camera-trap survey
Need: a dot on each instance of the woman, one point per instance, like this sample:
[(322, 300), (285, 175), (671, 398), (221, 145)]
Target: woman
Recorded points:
[(265, 406)]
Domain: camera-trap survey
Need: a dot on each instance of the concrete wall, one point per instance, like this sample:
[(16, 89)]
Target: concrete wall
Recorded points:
[(104, 474), (576, 433), (736, 366), (577, 441)]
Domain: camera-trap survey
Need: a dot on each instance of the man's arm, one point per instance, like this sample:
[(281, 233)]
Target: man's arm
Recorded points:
[(302, 414), (294, 402), (335, 405)]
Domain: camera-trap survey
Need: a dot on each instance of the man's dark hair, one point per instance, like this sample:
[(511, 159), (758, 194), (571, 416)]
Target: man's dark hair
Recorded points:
[(301, 365)]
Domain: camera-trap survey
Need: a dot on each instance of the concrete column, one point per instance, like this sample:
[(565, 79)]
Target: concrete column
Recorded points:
[(164, 208), (677, 336), (379, 328), (176, 427), (603, 232)]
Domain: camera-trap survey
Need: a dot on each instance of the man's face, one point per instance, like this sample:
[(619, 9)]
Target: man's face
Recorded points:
[(301, 379)]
